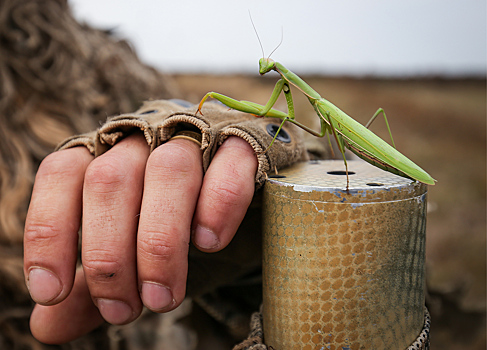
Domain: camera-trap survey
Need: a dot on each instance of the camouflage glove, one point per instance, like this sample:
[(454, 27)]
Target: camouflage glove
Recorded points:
[(162, 120)]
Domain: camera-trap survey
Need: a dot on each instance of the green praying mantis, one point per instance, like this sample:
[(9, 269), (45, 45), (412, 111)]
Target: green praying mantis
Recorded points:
[(347, 132)]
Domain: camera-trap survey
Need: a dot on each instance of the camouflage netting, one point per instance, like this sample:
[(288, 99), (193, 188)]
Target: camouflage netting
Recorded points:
[(58, 78), (255, 339)]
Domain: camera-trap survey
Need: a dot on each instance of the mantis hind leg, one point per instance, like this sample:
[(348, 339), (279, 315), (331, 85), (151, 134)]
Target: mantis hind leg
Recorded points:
[(340, 143), (341, 146), (321, 133), (379, 111)]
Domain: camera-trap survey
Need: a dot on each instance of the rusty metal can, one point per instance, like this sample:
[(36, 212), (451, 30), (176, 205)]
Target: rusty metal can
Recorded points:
[(343, 269)]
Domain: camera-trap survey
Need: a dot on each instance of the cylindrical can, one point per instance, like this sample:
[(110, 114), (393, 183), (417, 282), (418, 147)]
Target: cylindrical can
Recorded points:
[(343, 269)]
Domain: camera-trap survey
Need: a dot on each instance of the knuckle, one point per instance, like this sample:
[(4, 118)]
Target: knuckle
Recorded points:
[(58, 164), (171, 158), (105, 173), (40, 234), (156, 246), (100, 269), (226, 193)]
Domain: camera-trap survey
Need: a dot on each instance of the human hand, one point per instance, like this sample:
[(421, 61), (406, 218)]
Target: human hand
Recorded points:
[(128, 260)]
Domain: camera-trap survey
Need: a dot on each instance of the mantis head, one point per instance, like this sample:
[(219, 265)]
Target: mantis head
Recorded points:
[(266, 65)]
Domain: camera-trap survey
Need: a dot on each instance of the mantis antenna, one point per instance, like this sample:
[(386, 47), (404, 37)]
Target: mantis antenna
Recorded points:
[(260, 42), (282, 38), (255, 30)]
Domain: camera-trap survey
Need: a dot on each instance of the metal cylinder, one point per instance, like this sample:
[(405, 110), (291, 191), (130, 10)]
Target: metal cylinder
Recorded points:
[(343, 270)]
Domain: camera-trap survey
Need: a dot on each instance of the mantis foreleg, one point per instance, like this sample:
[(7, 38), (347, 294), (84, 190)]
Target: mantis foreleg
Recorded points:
[(266, 111), (243, 106), (250, 107)]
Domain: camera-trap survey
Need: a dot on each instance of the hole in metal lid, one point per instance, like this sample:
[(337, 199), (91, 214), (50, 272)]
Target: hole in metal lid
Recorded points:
[(277, 176), (374, 184), (340, 172)]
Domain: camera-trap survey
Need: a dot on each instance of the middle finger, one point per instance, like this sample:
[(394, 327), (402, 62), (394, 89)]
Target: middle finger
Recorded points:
[(172, 184)]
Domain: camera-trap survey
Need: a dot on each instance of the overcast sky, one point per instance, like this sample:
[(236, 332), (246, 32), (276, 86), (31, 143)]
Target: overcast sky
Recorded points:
[(351, 37)]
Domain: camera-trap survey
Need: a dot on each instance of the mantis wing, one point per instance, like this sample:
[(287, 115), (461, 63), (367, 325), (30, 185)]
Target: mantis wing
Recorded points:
[(368, 146)]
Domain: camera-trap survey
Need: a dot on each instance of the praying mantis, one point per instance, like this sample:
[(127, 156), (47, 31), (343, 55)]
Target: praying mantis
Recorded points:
[(347, 132)]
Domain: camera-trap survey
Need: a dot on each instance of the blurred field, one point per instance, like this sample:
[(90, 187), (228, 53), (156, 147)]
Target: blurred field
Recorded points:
[(441, 125)]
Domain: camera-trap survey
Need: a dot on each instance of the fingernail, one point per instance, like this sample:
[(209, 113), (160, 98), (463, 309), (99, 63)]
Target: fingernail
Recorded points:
[(156, 297), (205, 238), (114, 311), (43, 285)]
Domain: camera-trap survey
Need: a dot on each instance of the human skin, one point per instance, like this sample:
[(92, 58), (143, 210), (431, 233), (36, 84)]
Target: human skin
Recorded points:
[(138, 211)]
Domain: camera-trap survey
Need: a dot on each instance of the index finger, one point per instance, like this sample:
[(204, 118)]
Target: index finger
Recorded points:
[(52, 224)]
